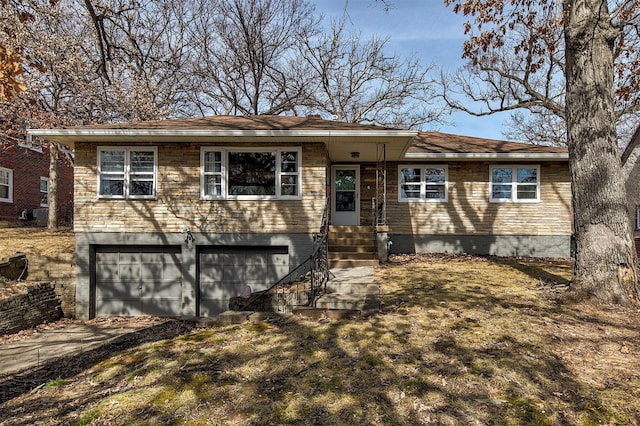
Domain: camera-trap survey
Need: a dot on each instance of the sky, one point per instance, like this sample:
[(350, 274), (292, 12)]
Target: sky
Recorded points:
[(425, 28)]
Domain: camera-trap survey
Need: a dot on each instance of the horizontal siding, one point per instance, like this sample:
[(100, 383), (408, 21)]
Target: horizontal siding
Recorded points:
[(468, 210), (179, 205)]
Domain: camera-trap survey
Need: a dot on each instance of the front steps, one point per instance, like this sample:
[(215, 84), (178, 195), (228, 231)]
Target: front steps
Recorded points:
[(351, 247), (352, 257), (352, 290)]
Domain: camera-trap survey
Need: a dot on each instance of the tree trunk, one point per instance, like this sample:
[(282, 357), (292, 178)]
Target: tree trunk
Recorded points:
[(606, 264), (53, 187)]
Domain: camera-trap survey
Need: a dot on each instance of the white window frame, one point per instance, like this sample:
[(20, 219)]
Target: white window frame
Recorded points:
[(423, 184), (128, 173), (514, 183), (45, 180), (225, 176), (9, 185)]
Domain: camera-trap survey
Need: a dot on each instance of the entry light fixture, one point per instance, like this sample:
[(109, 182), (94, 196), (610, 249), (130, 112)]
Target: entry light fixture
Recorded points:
[(355, 154), (188, 235)]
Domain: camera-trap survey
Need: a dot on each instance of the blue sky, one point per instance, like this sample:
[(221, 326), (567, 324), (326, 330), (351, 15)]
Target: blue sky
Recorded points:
[(419, 27)]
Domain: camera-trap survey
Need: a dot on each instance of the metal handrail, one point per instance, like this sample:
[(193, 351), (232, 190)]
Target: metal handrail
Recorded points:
[(302, 285)]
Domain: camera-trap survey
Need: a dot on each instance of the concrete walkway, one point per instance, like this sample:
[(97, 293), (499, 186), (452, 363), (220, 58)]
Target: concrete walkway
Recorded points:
[(351, 289), (48, 345)]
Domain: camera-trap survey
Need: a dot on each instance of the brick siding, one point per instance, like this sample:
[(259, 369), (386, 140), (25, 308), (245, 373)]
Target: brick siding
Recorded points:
[(28, 165)]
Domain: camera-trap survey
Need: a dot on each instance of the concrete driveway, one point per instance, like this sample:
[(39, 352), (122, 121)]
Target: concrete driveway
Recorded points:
[(43, 347)]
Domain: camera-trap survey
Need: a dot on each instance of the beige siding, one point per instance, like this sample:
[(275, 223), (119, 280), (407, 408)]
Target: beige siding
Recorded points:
[(469, 212), (178, 204)]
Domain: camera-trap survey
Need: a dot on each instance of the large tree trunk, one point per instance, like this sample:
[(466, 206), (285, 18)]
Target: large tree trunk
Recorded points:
[(606, 264), (53, 187)]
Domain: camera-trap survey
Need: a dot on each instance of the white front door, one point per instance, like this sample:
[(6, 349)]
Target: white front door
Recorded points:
[(345, 191)]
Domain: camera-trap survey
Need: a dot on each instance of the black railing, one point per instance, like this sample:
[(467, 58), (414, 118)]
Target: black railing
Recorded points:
[(302, 285)]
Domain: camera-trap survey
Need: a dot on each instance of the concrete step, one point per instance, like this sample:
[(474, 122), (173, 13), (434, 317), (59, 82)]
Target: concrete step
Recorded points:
[(332, 314), (350, 228), (350, 240), (368, 248), (343, 255), (351, 263), (341, 301), (352, 288)]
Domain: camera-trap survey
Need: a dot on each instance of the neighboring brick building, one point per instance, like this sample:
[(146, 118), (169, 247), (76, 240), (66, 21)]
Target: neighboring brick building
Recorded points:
[(24, 181)]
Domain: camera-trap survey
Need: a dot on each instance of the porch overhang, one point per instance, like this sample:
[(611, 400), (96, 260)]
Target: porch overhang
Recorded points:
[(341, 144)]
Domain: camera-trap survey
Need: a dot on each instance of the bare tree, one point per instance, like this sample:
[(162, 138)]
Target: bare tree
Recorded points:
[(360, 81), (522, 48), (66, 79), (523, 71), (247, 54)]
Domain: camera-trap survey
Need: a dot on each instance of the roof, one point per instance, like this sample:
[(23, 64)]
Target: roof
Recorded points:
[(442, 145), (235, 122), (341, 138)]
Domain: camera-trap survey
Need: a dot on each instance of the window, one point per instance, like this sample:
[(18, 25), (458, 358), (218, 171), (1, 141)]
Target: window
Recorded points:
[(250, 173), (44, 192), (637, 218), (212, 172), (423, 183), (6, 185), (519, 184), (127, 172)]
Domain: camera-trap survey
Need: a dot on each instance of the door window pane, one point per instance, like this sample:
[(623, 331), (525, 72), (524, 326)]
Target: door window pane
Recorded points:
[(345, 180), (345, 201)]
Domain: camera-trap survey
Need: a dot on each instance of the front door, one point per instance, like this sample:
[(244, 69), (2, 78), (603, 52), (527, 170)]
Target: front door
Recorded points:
[(345, 205)]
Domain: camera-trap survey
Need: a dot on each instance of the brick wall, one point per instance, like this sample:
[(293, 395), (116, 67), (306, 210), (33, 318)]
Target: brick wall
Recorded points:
[(28, 165), (40, 304)]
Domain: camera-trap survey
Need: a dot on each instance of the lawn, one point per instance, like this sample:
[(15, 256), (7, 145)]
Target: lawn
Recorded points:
[(35, 241), (458, 340)]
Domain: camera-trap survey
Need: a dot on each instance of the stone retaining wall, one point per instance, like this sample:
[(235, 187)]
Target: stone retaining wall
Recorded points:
[(60, 270), (40, 304), (15, 267)]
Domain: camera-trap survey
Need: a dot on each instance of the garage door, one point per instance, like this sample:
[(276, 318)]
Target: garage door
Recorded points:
[(138, 280), (224, 271)]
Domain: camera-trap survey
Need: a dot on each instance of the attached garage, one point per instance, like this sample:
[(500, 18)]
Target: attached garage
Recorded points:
[(138, 280), (223, 271)]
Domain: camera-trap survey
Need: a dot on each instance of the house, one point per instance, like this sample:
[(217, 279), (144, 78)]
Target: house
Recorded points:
[(175, 217), (24, 183), (631, 170)]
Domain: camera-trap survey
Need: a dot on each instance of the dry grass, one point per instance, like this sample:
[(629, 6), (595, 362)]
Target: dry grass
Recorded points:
[(460, 340), (36, 241)]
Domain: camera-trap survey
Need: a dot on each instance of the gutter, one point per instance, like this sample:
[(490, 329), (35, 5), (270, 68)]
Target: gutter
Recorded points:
[(110, 133), (547, 156)]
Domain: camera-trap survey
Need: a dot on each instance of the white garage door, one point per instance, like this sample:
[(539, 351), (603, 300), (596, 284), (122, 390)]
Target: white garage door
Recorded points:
[(225, 270), (138, 280)]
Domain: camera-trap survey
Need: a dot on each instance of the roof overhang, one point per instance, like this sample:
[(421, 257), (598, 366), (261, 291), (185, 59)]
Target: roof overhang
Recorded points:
[(502, 156), (340, 143)]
